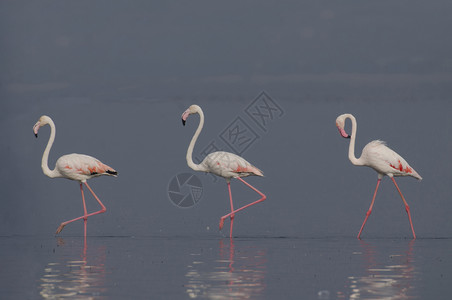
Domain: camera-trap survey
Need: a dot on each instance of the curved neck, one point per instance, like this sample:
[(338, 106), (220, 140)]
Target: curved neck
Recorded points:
[(190, 162), (351, 148), (45, 156)]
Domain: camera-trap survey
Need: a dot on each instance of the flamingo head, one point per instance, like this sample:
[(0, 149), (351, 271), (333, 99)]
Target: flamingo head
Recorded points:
[(193, 109), (340, 124), (43, 120)]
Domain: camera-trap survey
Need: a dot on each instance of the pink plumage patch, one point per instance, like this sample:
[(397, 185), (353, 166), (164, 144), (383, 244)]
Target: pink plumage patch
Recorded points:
[(248, 169), (241, 169), (93, 170), (100, 169), (400, 167)]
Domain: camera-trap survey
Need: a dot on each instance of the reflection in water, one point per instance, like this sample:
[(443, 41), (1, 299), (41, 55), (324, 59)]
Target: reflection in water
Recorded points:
[(394, 281), (238, 274), (74, 278)]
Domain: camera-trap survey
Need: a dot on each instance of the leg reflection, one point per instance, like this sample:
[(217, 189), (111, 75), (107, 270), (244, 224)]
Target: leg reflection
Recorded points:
[(82, 277), (237, 272), (386, 275)]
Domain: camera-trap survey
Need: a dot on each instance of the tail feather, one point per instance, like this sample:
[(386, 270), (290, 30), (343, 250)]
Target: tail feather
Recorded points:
[(416, 175), (103, 168), (256, 171), (111, 172)]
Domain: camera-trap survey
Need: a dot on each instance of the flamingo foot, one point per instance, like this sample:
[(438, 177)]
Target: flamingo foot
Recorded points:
[(60, 228)]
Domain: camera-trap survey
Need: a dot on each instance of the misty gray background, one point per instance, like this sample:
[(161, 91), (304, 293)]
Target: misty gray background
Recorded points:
[(115, 76)]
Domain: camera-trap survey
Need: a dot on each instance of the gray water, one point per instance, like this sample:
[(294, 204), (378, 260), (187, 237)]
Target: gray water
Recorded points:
[(299, 243), (194, 267)]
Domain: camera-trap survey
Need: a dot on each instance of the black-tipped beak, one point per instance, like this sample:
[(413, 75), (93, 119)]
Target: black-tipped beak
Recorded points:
[(343, 133), (183, 122), (36, 128), (348, 137)]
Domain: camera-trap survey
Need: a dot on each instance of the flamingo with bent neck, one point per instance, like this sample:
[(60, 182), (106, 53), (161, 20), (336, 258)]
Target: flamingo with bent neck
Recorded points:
[(382, 159), (74, 166), (224, 164)]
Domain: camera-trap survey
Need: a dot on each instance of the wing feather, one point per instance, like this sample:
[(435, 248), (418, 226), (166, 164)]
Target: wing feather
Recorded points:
[(227, 164), (82, 167), (386, 161)]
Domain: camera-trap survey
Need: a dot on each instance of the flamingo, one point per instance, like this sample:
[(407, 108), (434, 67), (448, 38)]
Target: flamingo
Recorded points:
[(382, 159), (74, 166), (223, 164)]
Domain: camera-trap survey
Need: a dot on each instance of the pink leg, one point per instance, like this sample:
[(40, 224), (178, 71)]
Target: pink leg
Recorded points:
[(407, 208), (84, 204), (243, 207), (85, 219), (232, 209), (85, 216), (370, 208)]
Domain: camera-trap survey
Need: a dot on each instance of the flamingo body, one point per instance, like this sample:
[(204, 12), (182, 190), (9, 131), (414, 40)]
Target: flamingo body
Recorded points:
[(386, 161), (382, 159), (74, 166), (224, 164), (81, 167), (229, 165)]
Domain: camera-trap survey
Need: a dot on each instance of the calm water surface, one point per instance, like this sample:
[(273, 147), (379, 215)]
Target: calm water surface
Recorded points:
[(212, 267)]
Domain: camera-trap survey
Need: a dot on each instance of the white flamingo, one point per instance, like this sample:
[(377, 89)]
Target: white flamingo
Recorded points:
[(77, 167), (380, 158), (224, 164)]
